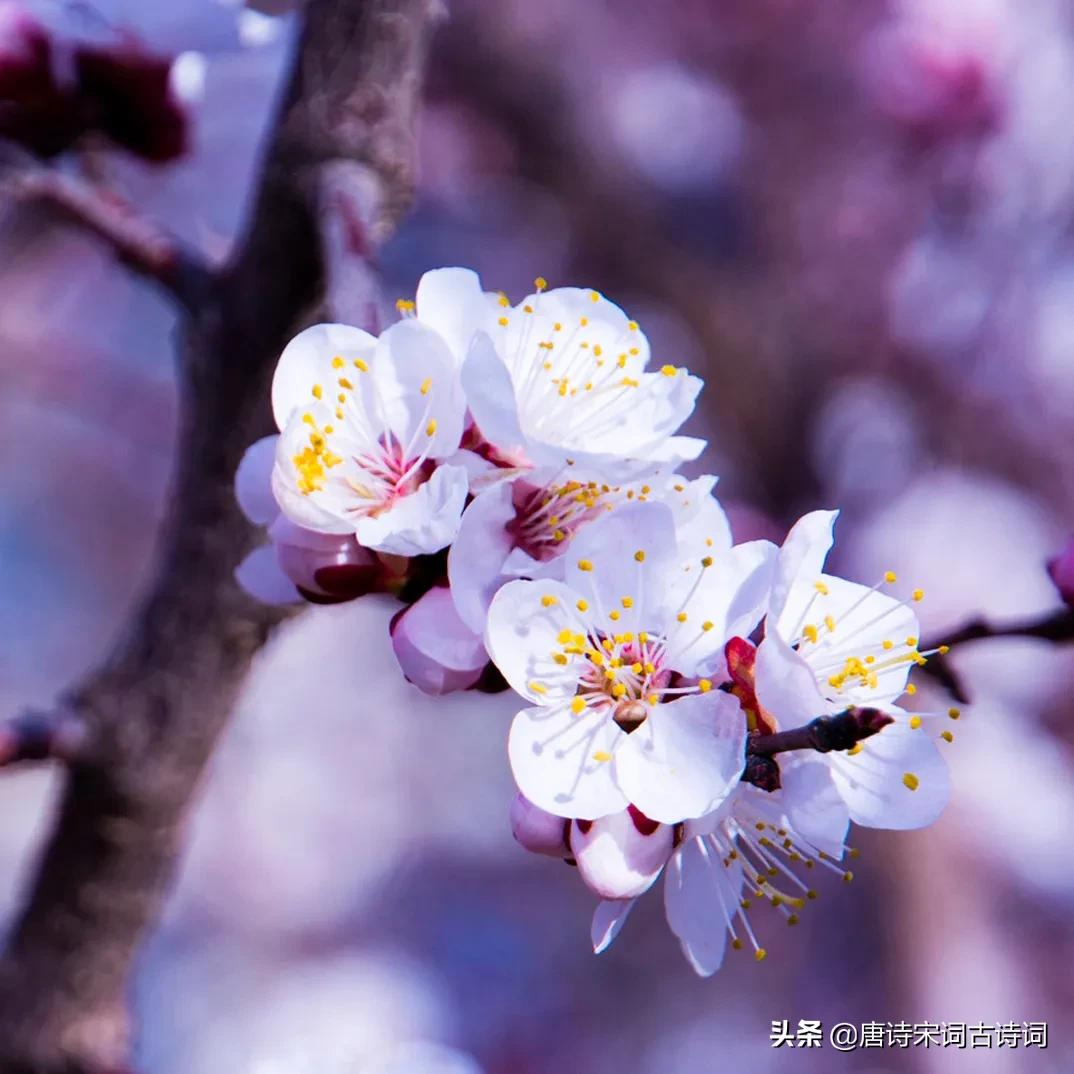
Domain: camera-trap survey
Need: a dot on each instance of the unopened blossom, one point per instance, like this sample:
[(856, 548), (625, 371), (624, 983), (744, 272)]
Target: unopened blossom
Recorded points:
[(367, 428), (615, 662), (435, 650), (562, 378), (537, 830), (621, 855), (830, 644), (757, 848), (524, 526), (1061, 571)]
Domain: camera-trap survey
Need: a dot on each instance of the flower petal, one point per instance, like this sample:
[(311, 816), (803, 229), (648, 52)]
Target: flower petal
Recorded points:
[(812, 803), (554, 757), (423, 522), (412, 387), (630, 552), (476, 558), (685, 758), (608, 919), (451, 302), (700, 897), (260, 575), (307, 361), (801, 558), (786, 686), (525, 622), (898, 780), (615, 859), (253, 482), (491, 397)]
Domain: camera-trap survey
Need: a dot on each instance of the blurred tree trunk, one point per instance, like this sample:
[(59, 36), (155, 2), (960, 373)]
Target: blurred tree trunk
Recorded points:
[(150, 717)]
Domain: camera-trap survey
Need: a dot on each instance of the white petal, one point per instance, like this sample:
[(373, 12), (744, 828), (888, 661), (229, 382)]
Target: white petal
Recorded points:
[(731, 595), (617, 861), (307, 361), (525, 621), (451, 302), (630, 552), (801, 558), (786, 686), (608, 919), (700, 896), (423, 522), (476, 558), (260, 575), (873, 783), (811, 802), (253, 482), (554, 755), (685, 758), (864, 620), (701, 524), (491, 397), (413, 386), (678, 449)]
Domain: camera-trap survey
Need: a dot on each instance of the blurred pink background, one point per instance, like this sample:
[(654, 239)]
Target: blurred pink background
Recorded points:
[(856, 220)]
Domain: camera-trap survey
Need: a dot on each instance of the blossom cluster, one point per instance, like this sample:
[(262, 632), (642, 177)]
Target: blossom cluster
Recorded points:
[(510, 473)]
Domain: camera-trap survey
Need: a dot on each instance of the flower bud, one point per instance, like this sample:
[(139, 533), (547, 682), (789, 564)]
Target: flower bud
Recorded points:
[(326, 568), (538, 831), (1061, 570), (620, 856), (436, 650)]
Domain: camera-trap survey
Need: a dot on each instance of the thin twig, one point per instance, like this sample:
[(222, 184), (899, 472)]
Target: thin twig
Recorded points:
[(137, 242), (1055, 627), (825, 734)]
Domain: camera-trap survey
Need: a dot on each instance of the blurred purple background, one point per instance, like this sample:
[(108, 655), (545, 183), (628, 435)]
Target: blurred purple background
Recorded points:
[(856, 220)]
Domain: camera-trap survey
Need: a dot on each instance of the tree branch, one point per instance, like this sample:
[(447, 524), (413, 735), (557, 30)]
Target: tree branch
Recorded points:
[(41, 736), (842, 731), (1055, 627), (153, 712), (137, 242)]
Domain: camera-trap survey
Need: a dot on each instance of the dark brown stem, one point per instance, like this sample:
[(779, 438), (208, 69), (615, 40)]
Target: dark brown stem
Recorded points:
[(1055, 627), (825, 734), (153, 712)]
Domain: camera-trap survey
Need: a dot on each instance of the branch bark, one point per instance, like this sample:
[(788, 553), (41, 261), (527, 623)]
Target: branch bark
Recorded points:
[(139, 243), (153, 712)]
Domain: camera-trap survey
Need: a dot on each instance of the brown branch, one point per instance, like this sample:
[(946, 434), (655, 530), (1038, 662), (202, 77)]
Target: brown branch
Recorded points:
[(842, 731), (1055, 627), (137, 242), (41, 736), (154, 711)]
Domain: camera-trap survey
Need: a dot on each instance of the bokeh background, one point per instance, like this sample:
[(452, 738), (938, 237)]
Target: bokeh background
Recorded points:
[(855, 219)]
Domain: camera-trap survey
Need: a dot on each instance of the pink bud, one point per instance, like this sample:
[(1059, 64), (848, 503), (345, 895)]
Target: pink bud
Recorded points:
[(130, 93), (25, 55), (538, 831), (1062, 571), (620, 856), (326, 568), (437, 651)]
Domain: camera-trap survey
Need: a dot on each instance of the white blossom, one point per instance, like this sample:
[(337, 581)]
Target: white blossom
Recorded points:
[(614, 661), (830, 644)]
